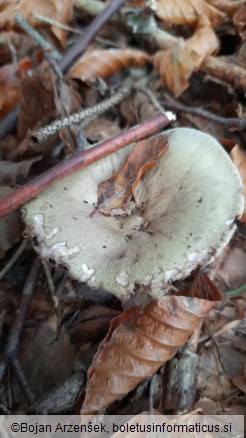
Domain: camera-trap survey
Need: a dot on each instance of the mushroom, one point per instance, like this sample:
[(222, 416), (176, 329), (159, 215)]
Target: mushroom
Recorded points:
[(189, 201)]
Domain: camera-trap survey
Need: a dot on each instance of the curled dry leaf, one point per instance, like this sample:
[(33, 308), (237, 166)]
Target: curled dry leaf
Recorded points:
[(137, 108), (228, 7), (139, 341), (177, 64), (186, 11), (113, 193), (238, 157), (57, 10), (104, 63)]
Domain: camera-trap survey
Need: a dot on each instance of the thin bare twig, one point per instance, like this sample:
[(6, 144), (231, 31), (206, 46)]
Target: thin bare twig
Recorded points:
[(227, 122), (89, 34), (36, 36), (9, 355), (82, 159), (74, 119), (13, 259), (50, 283)]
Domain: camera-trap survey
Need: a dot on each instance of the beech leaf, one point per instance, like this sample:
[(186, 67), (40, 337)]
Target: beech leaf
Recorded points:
[(186, 11), (104, 63), (140, 340), (113, 193), (178, 63), (56, 10)]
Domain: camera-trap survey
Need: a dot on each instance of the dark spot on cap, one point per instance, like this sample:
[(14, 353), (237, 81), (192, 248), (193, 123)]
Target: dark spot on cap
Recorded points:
[(86, 202), (190, 234), (65, 188), (200, 200), (180, 188), (104, 246)]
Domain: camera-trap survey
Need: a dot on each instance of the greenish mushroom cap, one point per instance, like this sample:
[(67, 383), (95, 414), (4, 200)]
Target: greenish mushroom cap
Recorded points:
[(189, 201)]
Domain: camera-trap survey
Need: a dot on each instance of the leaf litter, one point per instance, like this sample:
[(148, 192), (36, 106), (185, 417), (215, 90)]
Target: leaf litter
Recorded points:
[(74, 334)]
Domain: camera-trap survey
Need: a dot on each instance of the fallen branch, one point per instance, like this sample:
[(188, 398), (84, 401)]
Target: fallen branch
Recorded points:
[(82, 159)]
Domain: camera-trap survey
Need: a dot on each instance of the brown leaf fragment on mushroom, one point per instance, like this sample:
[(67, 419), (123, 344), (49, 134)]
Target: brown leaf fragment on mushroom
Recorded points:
[(113, 193), (238, 157), (139, 341), (104, 63)]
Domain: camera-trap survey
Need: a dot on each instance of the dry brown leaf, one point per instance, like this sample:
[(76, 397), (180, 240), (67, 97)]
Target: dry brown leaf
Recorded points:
[(141, 340), (56, 10), (238, 157), (36, 104), (104, 63), (113, 193), (177, 64), (137, 108), (186, 11), (227, 6), (101, 130), (239, 21), (204, 41)]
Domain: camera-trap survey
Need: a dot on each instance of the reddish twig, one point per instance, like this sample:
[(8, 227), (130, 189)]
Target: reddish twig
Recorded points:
[(89, 34), (9, 355), (83, 159)]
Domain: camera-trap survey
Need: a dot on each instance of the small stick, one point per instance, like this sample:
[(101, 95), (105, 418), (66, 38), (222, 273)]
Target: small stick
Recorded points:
[(13, 259), (80, 160), (56, 23), (226, 122), (47, 131), (11, 347), (89, 34), (50, 284), (36, 36), (22, 381)]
